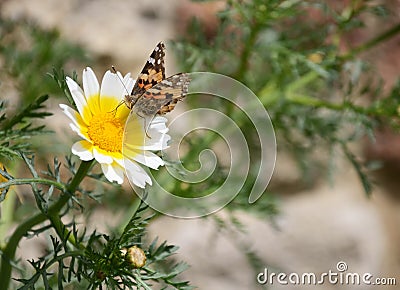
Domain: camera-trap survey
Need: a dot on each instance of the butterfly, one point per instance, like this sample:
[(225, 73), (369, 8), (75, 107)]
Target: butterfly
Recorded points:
[(153, 93)]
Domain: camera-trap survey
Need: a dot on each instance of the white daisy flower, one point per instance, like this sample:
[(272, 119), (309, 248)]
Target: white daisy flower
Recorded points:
[(117, 144)]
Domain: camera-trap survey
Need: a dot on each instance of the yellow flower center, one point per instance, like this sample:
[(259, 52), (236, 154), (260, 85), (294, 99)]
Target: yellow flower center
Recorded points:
[(106, 131)]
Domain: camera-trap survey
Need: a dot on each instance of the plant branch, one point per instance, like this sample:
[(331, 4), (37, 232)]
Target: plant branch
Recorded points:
[(244, 58), (373, 42), (28, 111), (53, 214), (20, 181), (43, 271), (345, 105)]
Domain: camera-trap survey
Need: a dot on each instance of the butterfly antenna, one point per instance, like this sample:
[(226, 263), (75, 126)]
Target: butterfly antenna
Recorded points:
[(122, 82)]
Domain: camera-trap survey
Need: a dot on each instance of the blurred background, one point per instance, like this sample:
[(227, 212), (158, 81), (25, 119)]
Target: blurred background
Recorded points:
[(326, 71)]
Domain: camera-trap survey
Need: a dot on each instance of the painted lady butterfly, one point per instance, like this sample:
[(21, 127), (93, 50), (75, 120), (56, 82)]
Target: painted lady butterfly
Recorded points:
[(153, 93)]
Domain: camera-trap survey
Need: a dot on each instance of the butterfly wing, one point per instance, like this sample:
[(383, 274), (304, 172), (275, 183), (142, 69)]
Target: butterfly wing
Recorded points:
[(162, 97), (152, 73)]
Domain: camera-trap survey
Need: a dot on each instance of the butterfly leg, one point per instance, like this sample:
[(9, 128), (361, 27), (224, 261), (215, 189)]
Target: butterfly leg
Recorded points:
[(116, 108), (145, 125)]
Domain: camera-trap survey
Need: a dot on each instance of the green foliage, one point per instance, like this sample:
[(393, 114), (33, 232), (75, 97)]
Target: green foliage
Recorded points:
[(294, 63), (290, 54), (60, 78), (17, 131), (100, 261)]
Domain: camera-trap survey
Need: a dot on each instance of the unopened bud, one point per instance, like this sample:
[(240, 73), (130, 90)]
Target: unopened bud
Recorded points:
[(136, 257)]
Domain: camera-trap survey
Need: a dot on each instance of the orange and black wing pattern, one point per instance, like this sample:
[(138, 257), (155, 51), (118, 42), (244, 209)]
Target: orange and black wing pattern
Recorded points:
[(162, 98), (152, 92), (152, 73)]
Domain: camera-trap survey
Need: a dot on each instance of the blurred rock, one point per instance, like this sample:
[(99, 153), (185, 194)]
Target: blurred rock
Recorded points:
[(203, 12), (125, 30)]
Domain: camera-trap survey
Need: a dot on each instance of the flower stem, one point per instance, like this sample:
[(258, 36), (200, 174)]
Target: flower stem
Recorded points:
[(53, 214)]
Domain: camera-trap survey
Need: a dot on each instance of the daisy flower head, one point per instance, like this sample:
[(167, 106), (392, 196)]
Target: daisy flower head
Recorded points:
[(117, 138)]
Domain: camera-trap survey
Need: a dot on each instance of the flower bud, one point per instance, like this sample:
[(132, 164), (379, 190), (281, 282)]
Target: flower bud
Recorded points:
[(136, 257)]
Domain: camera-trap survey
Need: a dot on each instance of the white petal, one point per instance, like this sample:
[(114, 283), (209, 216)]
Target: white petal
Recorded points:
[(149, 159), (101, 156), (151, 144), (159, 121), (78, 96), (157, 127), (157, 131), (129, 82), (113, 172), (156, 142), (136, 174), (83, 150), (90, 83), (78, 131), (120, 161), (112, 85), (92, 91), (73, 115)]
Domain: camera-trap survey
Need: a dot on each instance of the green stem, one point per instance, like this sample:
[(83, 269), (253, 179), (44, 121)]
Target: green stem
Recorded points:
[(7, 207), (317, 103), (20, 181), (53, 214), (244, 58), (373, 42), (7, 214), (28, 110)]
